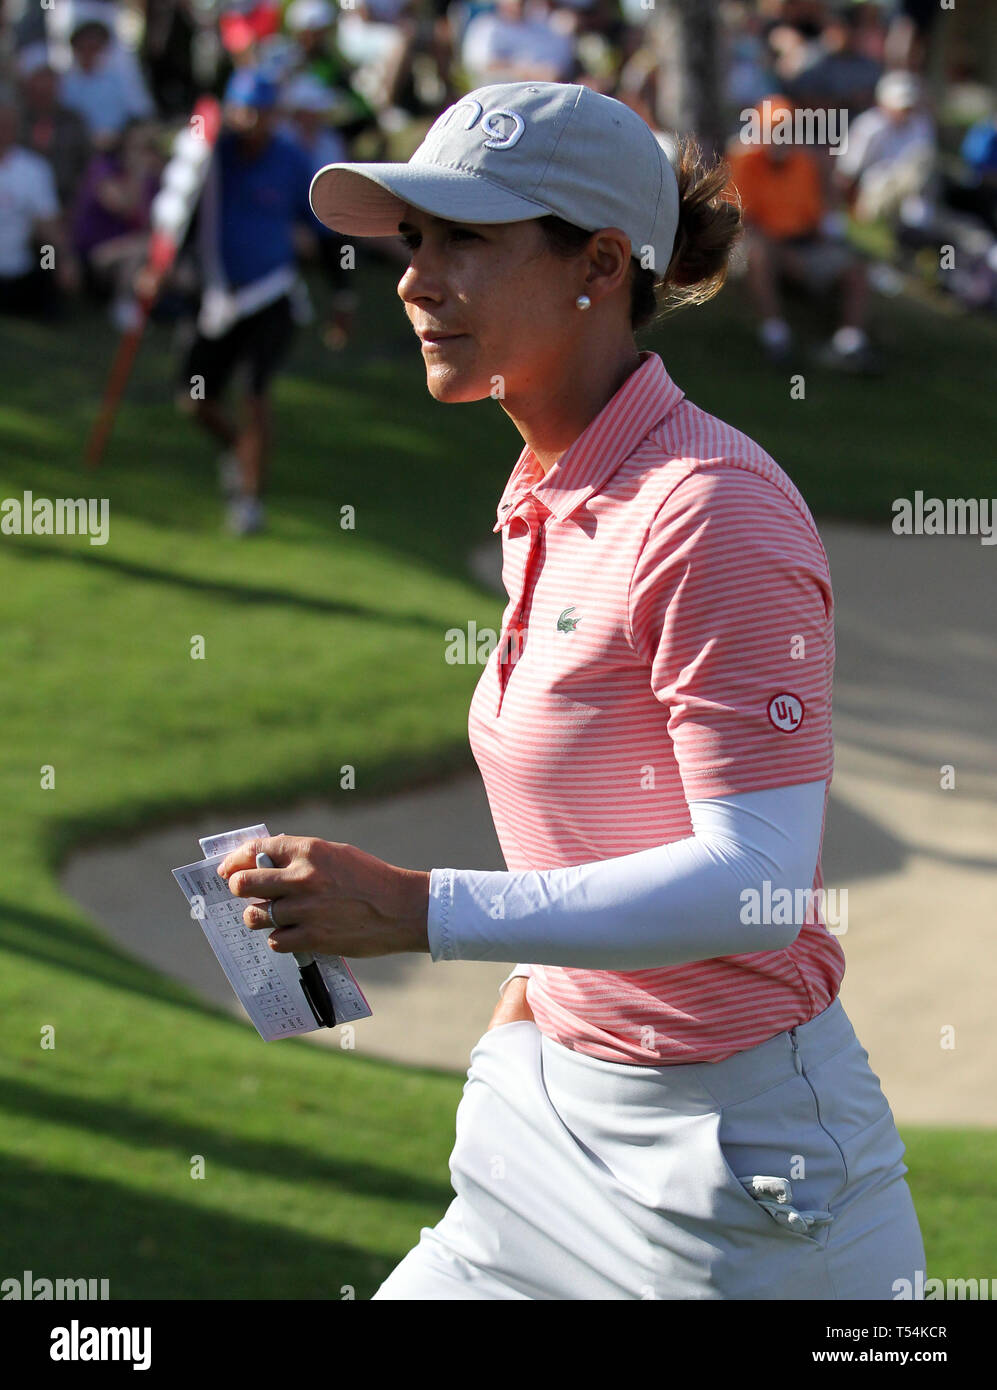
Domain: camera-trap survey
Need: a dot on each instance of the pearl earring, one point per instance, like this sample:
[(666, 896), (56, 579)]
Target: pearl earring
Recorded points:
[(583, 301)]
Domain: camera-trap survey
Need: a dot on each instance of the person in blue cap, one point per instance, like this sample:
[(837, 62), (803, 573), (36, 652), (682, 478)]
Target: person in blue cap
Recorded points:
[(256, 191)]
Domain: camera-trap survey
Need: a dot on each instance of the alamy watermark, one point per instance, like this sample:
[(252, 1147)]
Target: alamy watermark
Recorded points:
[(32, 1288), (945, 516), (76, 1343), (474, 645), (805, 125), (783, 907), (921, 1287), (29, 515)]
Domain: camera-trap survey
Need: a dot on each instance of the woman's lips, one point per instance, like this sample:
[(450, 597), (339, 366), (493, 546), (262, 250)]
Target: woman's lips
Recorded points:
[(440, 340)]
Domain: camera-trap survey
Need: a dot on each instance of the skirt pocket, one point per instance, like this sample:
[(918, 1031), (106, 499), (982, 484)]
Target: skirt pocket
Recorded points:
[(779, 1164), (772, 1196)]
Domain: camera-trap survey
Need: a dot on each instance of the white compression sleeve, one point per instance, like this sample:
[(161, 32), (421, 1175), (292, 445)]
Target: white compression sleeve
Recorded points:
[(662, 906)]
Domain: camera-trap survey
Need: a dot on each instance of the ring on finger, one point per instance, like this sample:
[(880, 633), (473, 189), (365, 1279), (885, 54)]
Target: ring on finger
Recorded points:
[(270, 907)]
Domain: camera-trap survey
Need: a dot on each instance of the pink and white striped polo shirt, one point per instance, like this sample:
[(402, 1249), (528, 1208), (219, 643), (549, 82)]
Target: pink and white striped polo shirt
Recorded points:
[(669, 636)]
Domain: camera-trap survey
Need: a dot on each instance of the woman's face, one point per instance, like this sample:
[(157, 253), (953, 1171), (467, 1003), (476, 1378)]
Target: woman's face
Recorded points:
[(496, 285)]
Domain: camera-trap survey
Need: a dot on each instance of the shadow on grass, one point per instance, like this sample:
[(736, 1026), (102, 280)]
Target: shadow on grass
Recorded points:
[(73, 947), (149, 1246), (253, 595), (149, 1130)]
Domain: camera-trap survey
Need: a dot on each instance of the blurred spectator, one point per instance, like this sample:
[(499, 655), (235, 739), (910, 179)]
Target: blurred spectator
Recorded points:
[(29, 217), (47, 127), (838, 75), (790, 234), (442, 46), (255, 195), (243, 24), (637, 15), (416, 74), (517, 42), (168, 41), (103, 89), (600, 33), (376, 37), (807, 16), (979, 155), (111, 220), (956, 218), (871, 26), (890, 151), (603, 17), (791, 51), (315, 52), (308, 104), (60, 17), (382, 11), (27, 28), (749, 74), (909, 31)]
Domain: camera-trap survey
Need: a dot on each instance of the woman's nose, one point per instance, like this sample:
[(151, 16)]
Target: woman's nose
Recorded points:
[(417, 284), (423, 278)]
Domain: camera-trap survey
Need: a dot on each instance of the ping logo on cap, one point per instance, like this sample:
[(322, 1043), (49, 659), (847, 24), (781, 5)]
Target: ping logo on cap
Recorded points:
[(497, 137)]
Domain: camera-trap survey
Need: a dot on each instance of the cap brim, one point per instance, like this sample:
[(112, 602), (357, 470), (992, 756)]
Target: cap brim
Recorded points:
[(368, 199)]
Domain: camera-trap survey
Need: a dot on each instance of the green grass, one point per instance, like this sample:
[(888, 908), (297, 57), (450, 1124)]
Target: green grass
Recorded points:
[(323, 649)]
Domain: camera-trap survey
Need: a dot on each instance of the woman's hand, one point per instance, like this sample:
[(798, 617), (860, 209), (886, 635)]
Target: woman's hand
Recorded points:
[(330, 898), (512, 1005)]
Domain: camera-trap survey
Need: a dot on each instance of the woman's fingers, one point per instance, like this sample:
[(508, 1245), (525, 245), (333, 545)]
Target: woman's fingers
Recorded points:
[(287, 912), (349, 902), (299, 924), (298, 939), (258, 883), (245, 880), (282, 849), (291, 933)]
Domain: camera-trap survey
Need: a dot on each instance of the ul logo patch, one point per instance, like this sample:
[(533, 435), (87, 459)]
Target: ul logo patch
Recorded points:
[(786, 711)]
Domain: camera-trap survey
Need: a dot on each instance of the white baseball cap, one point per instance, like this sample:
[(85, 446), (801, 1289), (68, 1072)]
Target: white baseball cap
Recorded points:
[(309, 14), (514, 151), (306, 93), (898, 90)]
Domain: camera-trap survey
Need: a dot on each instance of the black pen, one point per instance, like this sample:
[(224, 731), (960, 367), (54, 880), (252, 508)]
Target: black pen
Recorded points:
[(313, 985)]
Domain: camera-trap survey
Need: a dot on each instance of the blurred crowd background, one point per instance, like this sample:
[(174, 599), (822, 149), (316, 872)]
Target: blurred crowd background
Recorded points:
[(94, 92), (93, 89)]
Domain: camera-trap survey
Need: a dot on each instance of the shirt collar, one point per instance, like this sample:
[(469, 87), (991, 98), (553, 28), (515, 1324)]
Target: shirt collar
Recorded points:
[(644, 399)]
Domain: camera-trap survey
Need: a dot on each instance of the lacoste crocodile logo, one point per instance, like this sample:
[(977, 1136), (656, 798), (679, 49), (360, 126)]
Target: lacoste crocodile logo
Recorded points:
[(566, 624)]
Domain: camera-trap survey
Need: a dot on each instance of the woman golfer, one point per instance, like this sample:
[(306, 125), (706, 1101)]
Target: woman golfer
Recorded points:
[(670, 1101)]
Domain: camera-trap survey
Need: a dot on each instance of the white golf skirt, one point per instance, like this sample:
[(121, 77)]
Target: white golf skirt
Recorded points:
[(775, 1174)]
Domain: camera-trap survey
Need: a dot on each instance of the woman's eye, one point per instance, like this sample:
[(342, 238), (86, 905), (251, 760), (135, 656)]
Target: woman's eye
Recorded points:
[(411, 240)]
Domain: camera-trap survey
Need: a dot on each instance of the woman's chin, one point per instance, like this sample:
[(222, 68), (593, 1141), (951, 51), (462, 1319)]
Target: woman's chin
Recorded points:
[(453, 387)]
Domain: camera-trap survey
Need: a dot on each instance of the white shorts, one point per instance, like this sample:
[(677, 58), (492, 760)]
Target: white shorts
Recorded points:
[(775, 1174)]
